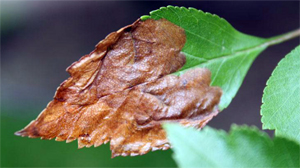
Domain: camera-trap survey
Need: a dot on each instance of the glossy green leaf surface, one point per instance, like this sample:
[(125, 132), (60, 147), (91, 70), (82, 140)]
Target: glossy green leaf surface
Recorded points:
[(281, 98), (243, 146), (214, 44)]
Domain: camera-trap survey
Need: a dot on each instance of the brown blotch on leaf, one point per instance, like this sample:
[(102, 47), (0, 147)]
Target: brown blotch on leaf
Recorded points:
[(122, 92)]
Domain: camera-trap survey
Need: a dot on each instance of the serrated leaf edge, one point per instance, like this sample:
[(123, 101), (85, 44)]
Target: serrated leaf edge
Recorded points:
[(266, 89)]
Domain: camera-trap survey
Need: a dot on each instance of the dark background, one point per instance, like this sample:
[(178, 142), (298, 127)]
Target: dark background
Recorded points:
[(39, 40)]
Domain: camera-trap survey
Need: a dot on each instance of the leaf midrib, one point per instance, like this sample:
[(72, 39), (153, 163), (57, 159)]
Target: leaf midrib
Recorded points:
[(234, 54), (268, 42)]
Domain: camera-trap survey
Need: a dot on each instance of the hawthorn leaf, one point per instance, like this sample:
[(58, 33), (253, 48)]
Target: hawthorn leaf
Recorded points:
[(147, 73), (122, 92), (281, 99), (243, 146), (214, 44)]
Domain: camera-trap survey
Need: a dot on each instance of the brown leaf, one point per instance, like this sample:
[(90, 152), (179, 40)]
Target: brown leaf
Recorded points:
[(121, 92)]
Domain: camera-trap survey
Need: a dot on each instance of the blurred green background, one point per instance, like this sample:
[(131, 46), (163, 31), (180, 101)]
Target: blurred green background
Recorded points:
[(40, 39)]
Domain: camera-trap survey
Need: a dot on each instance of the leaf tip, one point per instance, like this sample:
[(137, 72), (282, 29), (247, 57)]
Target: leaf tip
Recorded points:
[(21, 133)]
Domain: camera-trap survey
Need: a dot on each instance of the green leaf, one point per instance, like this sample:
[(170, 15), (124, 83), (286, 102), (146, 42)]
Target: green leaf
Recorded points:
[(281, 98), (213, 43), (242, 147)]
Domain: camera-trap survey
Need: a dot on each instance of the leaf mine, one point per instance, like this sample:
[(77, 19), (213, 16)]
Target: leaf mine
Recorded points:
[(122, 92)]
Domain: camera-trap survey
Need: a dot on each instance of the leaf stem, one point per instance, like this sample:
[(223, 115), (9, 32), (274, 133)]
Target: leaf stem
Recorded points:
[(284, 37)]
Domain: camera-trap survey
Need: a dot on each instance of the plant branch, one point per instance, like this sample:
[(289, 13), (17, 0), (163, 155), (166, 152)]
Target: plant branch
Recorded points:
[(284, 37)]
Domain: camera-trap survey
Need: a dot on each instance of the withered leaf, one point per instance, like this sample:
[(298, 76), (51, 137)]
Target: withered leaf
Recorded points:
[(121, 92)]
